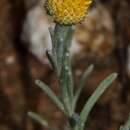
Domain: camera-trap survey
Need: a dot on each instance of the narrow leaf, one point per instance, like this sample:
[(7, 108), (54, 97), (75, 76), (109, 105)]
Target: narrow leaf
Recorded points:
[(50, 93), (64, 91), (51, 30), (126, 126), (38, 118), (93, 99), (52, 60), (83, 79)]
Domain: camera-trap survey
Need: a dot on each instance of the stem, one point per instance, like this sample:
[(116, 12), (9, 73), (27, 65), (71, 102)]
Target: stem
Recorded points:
[(60, 33), (66, 70), (61, 52)]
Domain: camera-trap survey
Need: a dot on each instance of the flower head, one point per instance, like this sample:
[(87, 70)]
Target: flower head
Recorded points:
[(68, 11)]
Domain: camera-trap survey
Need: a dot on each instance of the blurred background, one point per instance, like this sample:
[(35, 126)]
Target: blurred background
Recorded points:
[(102, 39)]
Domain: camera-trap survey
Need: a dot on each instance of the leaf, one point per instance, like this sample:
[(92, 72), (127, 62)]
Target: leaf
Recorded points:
[(94, 97), (126, 126), (51, 30), (50, 94), (64, 91), (38, 118), (83, 79), (52, 60)]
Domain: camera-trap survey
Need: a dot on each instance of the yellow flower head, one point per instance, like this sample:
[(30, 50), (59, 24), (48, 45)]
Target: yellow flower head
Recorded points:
[(68, 11)]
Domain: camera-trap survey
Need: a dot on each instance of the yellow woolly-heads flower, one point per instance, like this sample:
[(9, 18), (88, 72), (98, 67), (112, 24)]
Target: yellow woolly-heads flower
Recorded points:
[(68, 11)]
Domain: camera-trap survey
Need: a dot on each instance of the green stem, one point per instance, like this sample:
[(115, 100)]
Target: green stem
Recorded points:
[(60, 33), (66, 74), (60, 49)]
